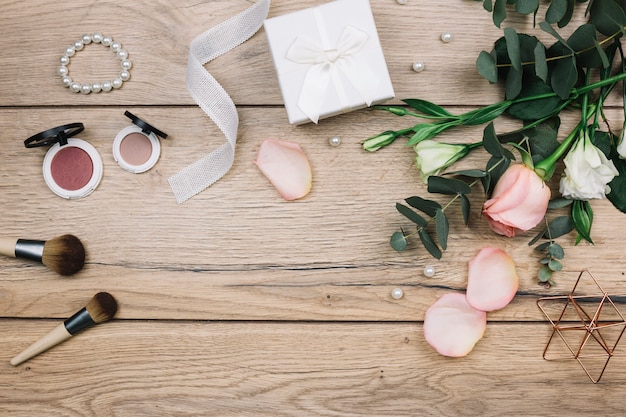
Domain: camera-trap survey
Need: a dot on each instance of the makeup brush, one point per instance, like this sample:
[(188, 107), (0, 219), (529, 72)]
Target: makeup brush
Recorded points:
[(100, 308), (64, 255)]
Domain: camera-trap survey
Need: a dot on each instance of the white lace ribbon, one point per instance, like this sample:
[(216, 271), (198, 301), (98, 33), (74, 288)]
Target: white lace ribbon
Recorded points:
[(213, 99), (327, 65)]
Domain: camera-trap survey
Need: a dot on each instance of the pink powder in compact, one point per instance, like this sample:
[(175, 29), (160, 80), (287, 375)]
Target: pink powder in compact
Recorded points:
[(136, 149), (71, 168)]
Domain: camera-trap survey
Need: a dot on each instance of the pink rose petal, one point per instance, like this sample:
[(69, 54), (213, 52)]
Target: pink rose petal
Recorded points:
[(492, 280), (452, 326), (286, 166)]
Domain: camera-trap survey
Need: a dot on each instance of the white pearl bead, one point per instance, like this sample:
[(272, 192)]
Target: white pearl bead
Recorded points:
[(86, 38), (334, 141), (64, 60), (429, 271), (397, 293), (85, 88), (97, 37), (116, 83), (116, 46), (79, 45), (122, 54), (402, 1), (418, 66), (67, 81), (447, 37), (62, 71), (74, 87), (127, 64), (107, 86), (124, 75), (70, 51), (96, 87), (107, 40)]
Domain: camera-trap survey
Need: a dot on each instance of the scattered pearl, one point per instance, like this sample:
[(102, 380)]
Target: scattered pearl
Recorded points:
[(85, 88), (334, 141), (122, 54), (116, 46), (107, 86), (96, 87), (106, 40), (74, 87), (64, 60), (127, 64), (447, 37), (397, 293), (116, 83), (86, 38), (63, 71), (124, 75), (67, 81), (70, 51), (418, 66), (402, 1), (79, 45), (97, 37), (429, 271)]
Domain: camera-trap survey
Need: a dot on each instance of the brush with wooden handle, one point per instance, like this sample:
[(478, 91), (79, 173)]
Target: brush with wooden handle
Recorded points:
[(64, 255), (100, 308)]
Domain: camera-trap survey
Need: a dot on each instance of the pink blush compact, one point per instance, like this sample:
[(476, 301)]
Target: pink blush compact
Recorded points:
[(136, 148), (72, 168)]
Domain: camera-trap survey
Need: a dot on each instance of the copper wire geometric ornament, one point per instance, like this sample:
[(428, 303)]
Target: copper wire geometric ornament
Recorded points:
[(590, 339)]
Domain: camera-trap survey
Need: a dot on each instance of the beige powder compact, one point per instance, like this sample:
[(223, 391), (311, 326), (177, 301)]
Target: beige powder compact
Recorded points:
[(137, 148)]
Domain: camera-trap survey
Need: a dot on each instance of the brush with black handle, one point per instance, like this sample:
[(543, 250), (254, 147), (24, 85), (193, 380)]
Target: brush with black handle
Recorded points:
[(100, 308), (64, 255)]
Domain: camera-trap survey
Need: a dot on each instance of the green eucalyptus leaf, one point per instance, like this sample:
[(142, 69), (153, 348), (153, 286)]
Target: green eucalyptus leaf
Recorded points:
[(607, 16), (465, 208), (428, 108), (496, 166), (488, 5), (499, 12), (555, 265), (442, 228), (429, 207), (448, 186), (558, 227), (617, 196), (526, 6), (491, 142), (568, 14), (564, 76), (541, 63), (543, 138), (429, 244), (559, 202), (556, 11), (556, 251), (535, 109), (544, 274), (398, 241), (487, 66), (513, 48), (411, 215), (513, 83), (584, 41), (543, 246), (536, 238), (582, 217)]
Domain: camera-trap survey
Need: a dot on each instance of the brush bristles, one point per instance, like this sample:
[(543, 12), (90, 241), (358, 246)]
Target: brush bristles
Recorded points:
[(102, 307), (64, 254)]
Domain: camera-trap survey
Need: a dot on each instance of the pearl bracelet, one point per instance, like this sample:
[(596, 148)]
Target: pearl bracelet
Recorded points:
[(96, 87)]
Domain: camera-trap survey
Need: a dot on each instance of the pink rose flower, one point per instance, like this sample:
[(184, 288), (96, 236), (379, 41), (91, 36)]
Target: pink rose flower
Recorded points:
[(518, 203)]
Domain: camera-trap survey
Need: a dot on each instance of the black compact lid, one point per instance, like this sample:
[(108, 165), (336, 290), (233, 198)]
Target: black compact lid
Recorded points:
[(145, 127), (58, 134)]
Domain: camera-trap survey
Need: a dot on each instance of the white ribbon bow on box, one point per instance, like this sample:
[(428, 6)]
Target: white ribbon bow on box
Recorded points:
[(327, 65)]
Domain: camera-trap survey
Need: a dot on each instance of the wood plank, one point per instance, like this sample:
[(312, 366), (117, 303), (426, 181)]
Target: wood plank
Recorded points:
[(139, 368), (238, 250)]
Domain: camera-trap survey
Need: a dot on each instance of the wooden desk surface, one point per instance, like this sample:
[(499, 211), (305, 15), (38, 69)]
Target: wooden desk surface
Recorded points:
[(237, 303)]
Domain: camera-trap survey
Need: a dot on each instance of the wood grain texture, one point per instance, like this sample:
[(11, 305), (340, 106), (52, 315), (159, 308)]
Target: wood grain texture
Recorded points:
[(237, 303)]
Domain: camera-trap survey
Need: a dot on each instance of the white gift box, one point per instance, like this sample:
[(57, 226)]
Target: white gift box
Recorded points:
[(328, 60)]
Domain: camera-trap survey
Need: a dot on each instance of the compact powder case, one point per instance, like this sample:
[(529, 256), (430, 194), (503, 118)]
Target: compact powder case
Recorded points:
[(136, 148), (72, 168)]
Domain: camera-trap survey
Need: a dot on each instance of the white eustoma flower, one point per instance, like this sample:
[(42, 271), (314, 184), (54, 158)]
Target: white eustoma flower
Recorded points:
[(587, 171), (433, 157)]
